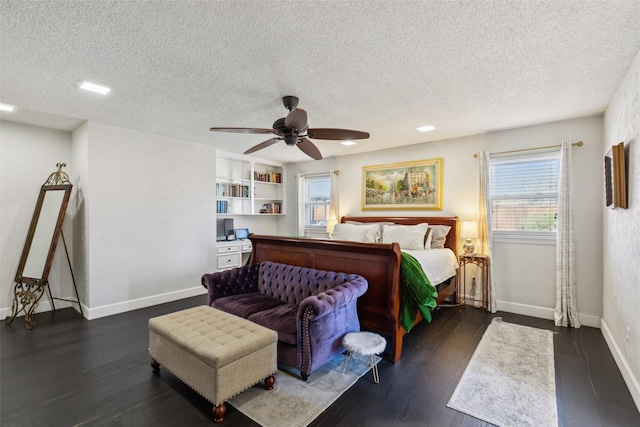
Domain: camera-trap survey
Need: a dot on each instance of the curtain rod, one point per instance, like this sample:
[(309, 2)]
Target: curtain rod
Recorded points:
[(313, 175), (575, 144)]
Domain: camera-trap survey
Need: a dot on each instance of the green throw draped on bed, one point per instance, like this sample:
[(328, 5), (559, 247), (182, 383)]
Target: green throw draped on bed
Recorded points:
[(416, 292)]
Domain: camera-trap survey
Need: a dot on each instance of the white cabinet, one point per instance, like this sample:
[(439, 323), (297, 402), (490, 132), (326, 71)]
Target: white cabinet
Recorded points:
[(232, 254), (245, 186)]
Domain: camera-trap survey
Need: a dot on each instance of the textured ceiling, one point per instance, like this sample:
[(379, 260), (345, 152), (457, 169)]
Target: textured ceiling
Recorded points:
[(385, 67)]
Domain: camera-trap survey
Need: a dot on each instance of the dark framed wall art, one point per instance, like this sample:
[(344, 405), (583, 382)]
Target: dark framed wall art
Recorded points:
[(615, 177)]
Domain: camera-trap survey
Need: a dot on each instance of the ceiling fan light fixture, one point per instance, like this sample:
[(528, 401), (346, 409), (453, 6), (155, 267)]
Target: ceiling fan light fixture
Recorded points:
[(291, 139), (426, 128), (92, 87), (347, 143)]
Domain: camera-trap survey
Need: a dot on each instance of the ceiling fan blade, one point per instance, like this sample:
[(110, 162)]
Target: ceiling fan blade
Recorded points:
[(262, 145), (309, 148), (336, 134), (296, 119), (242, 130)]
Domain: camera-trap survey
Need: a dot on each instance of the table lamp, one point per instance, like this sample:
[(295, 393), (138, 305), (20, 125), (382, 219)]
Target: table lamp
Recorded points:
[(469, 231), (331, 224)]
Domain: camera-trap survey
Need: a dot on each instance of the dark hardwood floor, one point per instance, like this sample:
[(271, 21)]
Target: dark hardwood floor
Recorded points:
[(72, 372)]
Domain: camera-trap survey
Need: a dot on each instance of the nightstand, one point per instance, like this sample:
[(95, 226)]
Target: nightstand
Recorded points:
[(482, 262)]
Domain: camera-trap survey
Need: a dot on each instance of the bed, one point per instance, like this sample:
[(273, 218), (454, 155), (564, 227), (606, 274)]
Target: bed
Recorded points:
[(379, 263)]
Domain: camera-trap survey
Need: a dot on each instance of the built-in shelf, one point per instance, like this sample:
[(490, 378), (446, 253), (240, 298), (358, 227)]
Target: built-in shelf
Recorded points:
[(245, 186)]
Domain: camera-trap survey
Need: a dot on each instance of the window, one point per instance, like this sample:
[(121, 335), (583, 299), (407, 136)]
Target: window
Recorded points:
[(524, 194), (316, 196)]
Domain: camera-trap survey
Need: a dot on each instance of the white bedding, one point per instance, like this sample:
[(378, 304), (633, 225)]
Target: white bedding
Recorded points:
[(438, 264)]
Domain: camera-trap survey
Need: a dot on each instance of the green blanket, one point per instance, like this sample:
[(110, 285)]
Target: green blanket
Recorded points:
[(416, 292)]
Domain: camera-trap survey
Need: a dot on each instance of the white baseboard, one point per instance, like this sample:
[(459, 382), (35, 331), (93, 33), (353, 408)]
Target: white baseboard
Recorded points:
[(122, 307), (117, 308), (544, 312), (41, 308), (625, 370)]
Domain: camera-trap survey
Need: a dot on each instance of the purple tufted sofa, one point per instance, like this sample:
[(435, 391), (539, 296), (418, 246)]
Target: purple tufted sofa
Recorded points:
[(310, 309)]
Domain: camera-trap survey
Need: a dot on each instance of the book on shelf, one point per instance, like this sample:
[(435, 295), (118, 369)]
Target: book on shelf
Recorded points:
[(271, 208), (232, 190), (274, 177), (223, 206)]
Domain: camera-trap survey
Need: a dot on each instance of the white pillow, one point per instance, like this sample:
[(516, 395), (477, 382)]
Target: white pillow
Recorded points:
[(356, 233), (439, 236), (427, 242), (380, 224), (407, 236)]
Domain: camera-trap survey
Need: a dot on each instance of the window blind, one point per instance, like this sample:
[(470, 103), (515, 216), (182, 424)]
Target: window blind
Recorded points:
[(524, 193)]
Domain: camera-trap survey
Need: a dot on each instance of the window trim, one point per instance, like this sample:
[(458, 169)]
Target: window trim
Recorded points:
[(314, 177)]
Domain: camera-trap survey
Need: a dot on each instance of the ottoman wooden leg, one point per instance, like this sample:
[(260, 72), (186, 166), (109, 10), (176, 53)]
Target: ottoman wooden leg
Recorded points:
[(218, 412), (155, 365), (269, 382)]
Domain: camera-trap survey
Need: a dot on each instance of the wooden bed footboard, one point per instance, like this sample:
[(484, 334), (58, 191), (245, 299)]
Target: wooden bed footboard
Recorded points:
[(379, 263)]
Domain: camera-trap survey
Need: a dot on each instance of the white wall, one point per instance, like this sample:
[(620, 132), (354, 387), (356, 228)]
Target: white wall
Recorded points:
[(78, 211), (28, 156), (524, 274), (149, 218), (621, 228), (143, 210), (141, 221)]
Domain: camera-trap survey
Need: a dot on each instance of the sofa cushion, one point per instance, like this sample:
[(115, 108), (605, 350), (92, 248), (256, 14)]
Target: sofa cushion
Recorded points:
[(283, 319), (244, 305)]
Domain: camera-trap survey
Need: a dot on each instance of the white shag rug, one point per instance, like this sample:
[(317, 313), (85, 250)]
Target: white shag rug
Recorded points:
[(510, 380), (294, 402)]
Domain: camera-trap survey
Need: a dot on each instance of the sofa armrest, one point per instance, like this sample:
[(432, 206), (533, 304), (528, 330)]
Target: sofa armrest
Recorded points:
[(240, 280), (328, 301)]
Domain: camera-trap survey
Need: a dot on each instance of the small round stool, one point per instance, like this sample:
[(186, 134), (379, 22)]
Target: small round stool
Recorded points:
[(367, 344)]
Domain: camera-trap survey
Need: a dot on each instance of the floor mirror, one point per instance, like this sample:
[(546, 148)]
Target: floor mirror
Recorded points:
[(32, 277)]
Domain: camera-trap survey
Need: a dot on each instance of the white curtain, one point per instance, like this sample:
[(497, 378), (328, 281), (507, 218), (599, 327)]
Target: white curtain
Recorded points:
[(484, 226), (300, 221), (566, 313), (334, 205)]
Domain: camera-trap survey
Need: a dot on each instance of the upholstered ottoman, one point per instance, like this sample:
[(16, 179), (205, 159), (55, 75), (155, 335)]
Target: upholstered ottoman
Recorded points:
[(215, 353)]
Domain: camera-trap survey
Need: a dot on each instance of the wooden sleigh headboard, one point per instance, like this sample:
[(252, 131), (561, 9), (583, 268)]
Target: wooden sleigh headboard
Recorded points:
[(379, 263)]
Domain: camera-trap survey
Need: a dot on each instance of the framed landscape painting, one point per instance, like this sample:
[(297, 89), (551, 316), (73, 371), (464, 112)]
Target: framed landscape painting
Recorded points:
[(407, 185)]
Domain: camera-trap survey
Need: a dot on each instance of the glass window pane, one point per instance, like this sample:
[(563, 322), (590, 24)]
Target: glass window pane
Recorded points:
[(524, 194), (317, 193), (316, 215), (529, 215)]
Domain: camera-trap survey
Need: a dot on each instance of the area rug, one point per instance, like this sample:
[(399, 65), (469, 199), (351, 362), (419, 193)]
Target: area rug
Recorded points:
[(294, 402), (510, 380)]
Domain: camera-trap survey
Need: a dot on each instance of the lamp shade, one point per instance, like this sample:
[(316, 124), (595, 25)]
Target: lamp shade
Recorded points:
[(331, 223), (469, 230)]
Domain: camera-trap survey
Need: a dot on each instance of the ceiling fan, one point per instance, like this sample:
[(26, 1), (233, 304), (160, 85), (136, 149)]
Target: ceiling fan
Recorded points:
[(293, 130)]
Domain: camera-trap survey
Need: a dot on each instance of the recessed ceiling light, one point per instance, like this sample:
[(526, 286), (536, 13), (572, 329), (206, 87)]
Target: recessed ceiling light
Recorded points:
[(348, 143), (426, 128), (7, 107), (92, 87)]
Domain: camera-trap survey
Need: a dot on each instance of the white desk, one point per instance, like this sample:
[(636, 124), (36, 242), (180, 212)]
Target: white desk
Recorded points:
[(230, 253)]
